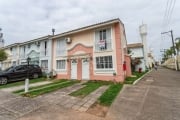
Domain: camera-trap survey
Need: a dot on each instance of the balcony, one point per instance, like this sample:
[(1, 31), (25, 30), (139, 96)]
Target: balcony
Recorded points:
[(103, 46)]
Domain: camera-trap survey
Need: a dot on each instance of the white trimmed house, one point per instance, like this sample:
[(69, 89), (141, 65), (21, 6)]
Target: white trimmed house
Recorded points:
[(39, 50)]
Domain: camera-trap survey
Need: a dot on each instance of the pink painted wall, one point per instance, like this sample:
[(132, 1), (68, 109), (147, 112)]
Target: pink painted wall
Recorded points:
[(85, 49), (119, 53), (128, 65)]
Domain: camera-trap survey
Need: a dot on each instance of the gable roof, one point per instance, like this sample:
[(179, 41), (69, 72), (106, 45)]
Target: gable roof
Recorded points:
[(135, 45), (112, 21)]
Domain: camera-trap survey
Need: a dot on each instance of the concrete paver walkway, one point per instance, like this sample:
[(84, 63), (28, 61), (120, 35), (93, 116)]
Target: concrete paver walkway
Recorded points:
[(20, 87), (155, 97)]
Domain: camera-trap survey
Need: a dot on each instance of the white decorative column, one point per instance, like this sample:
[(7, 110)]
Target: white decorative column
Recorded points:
[(143, 34)]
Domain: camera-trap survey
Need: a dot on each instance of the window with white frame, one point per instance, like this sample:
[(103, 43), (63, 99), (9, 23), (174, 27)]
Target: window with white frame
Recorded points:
[(60, 64), (44, 64), (103, 40), (44, 48), (104, 62), (61, 47), (14, 52)]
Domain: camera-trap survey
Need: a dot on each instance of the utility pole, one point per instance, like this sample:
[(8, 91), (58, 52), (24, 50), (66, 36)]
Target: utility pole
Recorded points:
[(174, 50)]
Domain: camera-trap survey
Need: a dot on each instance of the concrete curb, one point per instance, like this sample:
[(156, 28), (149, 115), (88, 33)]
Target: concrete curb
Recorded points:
[(136, 81)]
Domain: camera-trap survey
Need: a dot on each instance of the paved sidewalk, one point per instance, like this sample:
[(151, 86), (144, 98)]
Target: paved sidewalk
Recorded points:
[(155, 97), (20, 87)]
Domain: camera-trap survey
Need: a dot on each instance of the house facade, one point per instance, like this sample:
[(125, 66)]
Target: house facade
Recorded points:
[(39, 50), (12, 56), (95, 52), (136, 52)]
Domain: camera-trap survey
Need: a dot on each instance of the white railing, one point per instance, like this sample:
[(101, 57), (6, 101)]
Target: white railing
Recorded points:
[(100, 47)]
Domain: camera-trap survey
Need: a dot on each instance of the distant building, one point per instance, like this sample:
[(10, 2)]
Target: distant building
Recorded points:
[(136, 52), (1, 39), (139, 50), (151, 61)]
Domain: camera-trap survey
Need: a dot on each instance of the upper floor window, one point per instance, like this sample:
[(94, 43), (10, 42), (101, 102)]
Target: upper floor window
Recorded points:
[(29, 45), (103, 40), (61, 47), (44, 48), (13, 51)]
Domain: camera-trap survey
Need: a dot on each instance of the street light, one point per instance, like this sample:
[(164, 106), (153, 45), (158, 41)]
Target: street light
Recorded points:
[(27, 79)]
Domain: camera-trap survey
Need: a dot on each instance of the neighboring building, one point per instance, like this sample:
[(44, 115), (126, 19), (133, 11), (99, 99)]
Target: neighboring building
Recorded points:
[(139, 50), (95, 52), (151, 60), (13, 55), (39, 50), (136, 52), (1, 39)]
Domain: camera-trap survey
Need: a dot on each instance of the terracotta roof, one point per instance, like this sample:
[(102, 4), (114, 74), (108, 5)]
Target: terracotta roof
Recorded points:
[(135, 45)]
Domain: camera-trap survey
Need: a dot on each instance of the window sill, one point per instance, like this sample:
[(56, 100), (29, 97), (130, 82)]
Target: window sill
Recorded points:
[(105, 71), (61, 70), (103, 51)]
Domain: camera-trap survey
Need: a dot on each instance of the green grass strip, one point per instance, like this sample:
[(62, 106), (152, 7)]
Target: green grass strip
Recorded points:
[(41, 86), (52, 88), (110, 94), (13, 84), (130, 80), (90, 87)]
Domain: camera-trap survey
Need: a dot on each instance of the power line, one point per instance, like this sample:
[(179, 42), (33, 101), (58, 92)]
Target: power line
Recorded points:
[(168, 22), (165, 14), (168, 12)]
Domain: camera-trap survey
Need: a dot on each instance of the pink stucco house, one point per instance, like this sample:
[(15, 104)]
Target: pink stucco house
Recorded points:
[(95, 52)]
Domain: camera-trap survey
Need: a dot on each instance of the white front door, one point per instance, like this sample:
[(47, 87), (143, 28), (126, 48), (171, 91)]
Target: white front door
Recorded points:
[(74, 69), (85, 69)]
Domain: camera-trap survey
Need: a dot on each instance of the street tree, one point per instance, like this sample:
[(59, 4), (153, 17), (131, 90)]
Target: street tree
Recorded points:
[(3, 55)]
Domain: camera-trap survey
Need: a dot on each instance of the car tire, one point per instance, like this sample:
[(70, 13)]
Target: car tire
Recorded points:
[(3, 80), (35, 75)]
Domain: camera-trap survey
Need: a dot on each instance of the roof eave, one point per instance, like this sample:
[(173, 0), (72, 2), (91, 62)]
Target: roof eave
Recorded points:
[(87, 28)]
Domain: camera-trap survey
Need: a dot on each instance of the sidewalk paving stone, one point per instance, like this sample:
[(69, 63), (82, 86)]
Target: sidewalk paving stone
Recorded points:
[(20, 87)]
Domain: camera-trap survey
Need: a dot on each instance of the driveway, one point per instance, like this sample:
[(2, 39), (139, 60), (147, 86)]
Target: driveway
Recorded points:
[(53, 106), (155, 97)]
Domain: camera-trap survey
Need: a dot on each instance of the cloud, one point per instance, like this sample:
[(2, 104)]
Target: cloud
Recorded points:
[(28, 19)]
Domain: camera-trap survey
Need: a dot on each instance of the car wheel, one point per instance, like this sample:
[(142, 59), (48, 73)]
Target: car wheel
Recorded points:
[(3, 80), (35, 75)]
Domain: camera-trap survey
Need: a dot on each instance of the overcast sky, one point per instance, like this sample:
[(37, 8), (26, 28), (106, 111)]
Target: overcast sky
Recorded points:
[(23, 20)]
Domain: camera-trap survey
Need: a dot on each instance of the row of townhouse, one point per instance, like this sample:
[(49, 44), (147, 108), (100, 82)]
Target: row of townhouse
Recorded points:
[(96, 52), (39, 50)]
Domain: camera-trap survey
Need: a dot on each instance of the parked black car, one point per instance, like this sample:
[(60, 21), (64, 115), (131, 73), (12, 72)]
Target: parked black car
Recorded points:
[(20, 72)]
